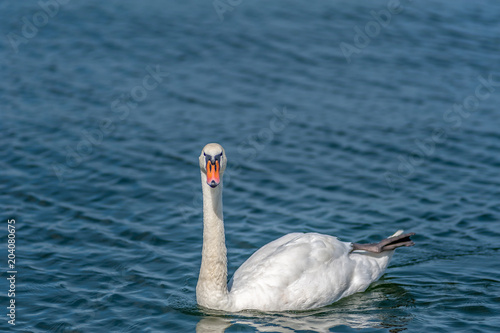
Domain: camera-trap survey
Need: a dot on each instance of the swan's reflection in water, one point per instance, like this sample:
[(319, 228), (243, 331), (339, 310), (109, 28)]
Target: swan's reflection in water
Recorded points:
[(382, 306)]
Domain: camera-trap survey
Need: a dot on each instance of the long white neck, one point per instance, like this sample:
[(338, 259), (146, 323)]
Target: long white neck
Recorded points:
[(211, 290)]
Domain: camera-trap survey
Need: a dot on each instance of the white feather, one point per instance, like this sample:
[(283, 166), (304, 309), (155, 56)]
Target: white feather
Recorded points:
[(303, 271)]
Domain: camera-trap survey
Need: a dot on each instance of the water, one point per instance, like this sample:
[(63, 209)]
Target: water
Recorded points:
[(109, 228)]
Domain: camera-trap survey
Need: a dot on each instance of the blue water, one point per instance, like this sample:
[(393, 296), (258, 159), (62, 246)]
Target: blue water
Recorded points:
[(99, 164)]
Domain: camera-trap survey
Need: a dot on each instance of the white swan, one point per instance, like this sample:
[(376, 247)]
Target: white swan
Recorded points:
[(298, 271)]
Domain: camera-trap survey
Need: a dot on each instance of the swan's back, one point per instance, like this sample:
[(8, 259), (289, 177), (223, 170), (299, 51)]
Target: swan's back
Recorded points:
[(299, 271)]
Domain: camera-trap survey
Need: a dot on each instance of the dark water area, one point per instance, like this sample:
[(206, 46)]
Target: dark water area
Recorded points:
[(353, 119)]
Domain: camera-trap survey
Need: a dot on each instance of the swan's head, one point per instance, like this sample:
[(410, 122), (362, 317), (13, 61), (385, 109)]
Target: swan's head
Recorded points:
[(213, 163)]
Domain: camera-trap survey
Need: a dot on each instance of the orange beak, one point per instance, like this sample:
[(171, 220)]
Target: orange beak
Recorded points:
[(213, 177)]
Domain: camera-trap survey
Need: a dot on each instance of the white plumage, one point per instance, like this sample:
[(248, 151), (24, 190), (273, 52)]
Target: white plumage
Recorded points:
[(298, 271), (303, 271)]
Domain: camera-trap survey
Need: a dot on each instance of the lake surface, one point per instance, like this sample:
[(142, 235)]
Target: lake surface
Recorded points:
[(350, 119)]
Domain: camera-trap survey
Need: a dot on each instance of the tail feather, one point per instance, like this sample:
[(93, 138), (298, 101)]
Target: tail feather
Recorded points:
[(397, 233)]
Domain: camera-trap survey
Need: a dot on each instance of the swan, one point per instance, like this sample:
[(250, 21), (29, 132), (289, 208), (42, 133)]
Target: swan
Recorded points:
[(298, 271)]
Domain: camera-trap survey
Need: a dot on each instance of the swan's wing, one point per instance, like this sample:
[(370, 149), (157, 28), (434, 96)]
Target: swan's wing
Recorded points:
[(259, 256), (295, 271)]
